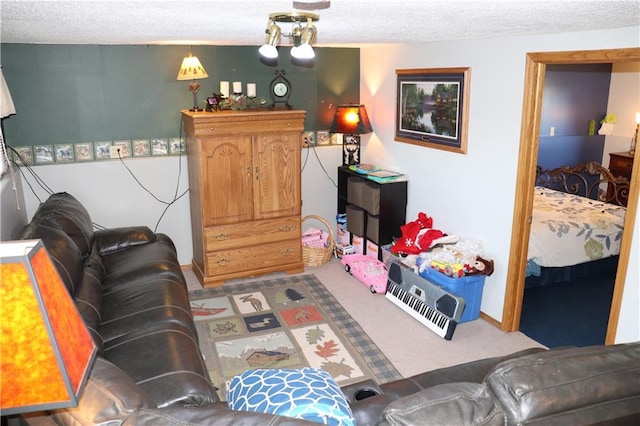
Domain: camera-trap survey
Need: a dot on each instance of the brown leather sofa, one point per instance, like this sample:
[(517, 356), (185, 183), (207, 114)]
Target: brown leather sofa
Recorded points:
[(573, 386), (131, 292)]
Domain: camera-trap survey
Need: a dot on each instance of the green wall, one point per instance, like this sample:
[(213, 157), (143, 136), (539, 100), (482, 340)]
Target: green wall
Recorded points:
[(86, 93)]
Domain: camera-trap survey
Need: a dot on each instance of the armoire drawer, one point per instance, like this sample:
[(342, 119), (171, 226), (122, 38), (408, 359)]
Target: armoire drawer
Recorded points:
[(253, 257), (251, 233)]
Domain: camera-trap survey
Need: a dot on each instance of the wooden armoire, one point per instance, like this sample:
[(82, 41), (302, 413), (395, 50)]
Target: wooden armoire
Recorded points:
[(245, 192)]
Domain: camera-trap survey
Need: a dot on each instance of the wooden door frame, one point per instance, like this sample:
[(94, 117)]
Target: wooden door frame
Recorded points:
[(536, 64)]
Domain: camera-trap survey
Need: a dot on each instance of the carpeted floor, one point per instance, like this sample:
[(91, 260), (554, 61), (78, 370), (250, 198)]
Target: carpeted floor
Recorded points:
[(289, 322), (409, 345), (572, 313)]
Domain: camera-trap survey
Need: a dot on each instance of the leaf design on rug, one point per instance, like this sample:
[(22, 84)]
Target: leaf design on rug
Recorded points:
[(293, 295), (314, 335), (281, 298), (327, 349), (337, 369)]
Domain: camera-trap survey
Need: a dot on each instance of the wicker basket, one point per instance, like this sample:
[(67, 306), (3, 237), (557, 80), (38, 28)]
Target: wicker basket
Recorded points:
[(312, 256)]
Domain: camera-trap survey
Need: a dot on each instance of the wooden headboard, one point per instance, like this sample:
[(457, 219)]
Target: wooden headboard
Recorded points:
[(586, 180)]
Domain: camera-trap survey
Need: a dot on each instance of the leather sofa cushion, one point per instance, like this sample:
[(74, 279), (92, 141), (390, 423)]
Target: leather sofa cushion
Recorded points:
[(460, 403), (167, 364), (116, 239), (109, 397), (64, 253), (156, 259), (72, 218), (144, 289), (577, 386), (148, 303), (88, 298)]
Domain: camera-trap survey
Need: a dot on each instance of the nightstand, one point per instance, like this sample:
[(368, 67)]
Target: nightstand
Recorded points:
[(621, 164)]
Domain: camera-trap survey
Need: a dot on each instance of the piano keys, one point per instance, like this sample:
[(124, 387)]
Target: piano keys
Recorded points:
[(431, 305)]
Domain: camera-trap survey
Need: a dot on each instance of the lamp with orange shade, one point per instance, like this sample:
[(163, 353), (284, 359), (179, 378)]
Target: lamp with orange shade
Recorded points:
[(46, 351), (352, 121)]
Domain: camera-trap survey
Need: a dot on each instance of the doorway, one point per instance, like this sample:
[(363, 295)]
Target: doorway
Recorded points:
[(529, 135)]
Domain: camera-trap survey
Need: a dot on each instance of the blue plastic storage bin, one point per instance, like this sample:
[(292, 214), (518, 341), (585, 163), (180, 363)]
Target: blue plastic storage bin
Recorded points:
[(470, 288)]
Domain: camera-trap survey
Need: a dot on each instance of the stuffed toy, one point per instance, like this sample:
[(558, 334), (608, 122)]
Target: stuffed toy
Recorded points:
[(481, 266), (464, 258)]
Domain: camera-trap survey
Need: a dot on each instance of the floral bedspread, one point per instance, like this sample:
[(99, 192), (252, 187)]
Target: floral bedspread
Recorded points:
[(567, 229)]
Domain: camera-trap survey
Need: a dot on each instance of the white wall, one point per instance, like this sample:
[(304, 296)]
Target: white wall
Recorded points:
[(624, 101), (14, 213), (113, 198), (473, 195)]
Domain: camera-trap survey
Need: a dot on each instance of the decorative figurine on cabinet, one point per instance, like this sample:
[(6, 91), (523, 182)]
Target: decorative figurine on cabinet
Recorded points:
[(350, 150)]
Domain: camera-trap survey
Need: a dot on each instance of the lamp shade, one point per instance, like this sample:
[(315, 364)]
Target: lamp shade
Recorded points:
[(6, 102), (191, 69), (351, 119), (46, 350)]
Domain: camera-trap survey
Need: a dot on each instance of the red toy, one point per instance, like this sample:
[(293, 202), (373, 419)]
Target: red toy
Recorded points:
[(417, 236)]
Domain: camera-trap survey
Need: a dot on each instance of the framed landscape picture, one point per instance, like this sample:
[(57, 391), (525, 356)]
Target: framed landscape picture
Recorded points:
[(432, 107)]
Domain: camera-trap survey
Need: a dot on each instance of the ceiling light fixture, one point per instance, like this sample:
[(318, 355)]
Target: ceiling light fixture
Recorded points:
[(311, 4), (302, 37)]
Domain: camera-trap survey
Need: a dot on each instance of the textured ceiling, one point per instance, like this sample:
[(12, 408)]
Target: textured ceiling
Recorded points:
[(344, 23)]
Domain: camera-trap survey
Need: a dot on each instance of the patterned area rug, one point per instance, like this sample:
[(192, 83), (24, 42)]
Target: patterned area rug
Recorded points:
[(290, 322)]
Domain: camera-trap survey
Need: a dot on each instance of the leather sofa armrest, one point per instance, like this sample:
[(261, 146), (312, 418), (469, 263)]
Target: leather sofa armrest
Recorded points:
[(115, 239), (474, 371), (214, 414), (447, 404), (583, 385)]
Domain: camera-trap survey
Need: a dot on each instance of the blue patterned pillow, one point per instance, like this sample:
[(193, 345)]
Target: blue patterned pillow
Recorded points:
[(306, 393)]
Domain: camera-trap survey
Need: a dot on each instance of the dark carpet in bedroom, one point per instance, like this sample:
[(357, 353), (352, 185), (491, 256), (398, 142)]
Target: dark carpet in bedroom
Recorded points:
[(571, 313)]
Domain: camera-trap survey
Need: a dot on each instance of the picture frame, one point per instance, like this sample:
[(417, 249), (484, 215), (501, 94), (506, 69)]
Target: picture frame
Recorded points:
[(125, 148), (101, 150), (309, 138), (432, 107), (43, 154), (141, 148), (176, 146), (84, 151), (63, 153), (23, 155), (323, 137), (159, 147)]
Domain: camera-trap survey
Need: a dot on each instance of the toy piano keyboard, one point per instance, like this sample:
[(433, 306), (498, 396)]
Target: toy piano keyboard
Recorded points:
[(436, 308)]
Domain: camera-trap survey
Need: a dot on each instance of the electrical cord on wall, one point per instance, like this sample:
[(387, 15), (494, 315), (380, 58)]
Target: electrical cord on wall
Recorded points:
[(176, 197), (304, 164), (39, 180), (49, 191), (28, 167)]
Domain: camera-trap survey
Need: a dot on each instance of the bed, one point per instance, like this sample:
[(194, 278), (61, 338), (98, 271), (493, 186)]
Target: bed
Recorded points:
[(577, 222)]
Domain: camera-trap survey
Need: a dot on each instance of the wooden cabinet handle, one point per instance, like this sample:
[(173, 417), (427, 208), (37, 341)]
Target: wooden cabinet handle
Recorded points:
[(286, 252), (222, 237), (256, 172), (223, 262), (286, 228)]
